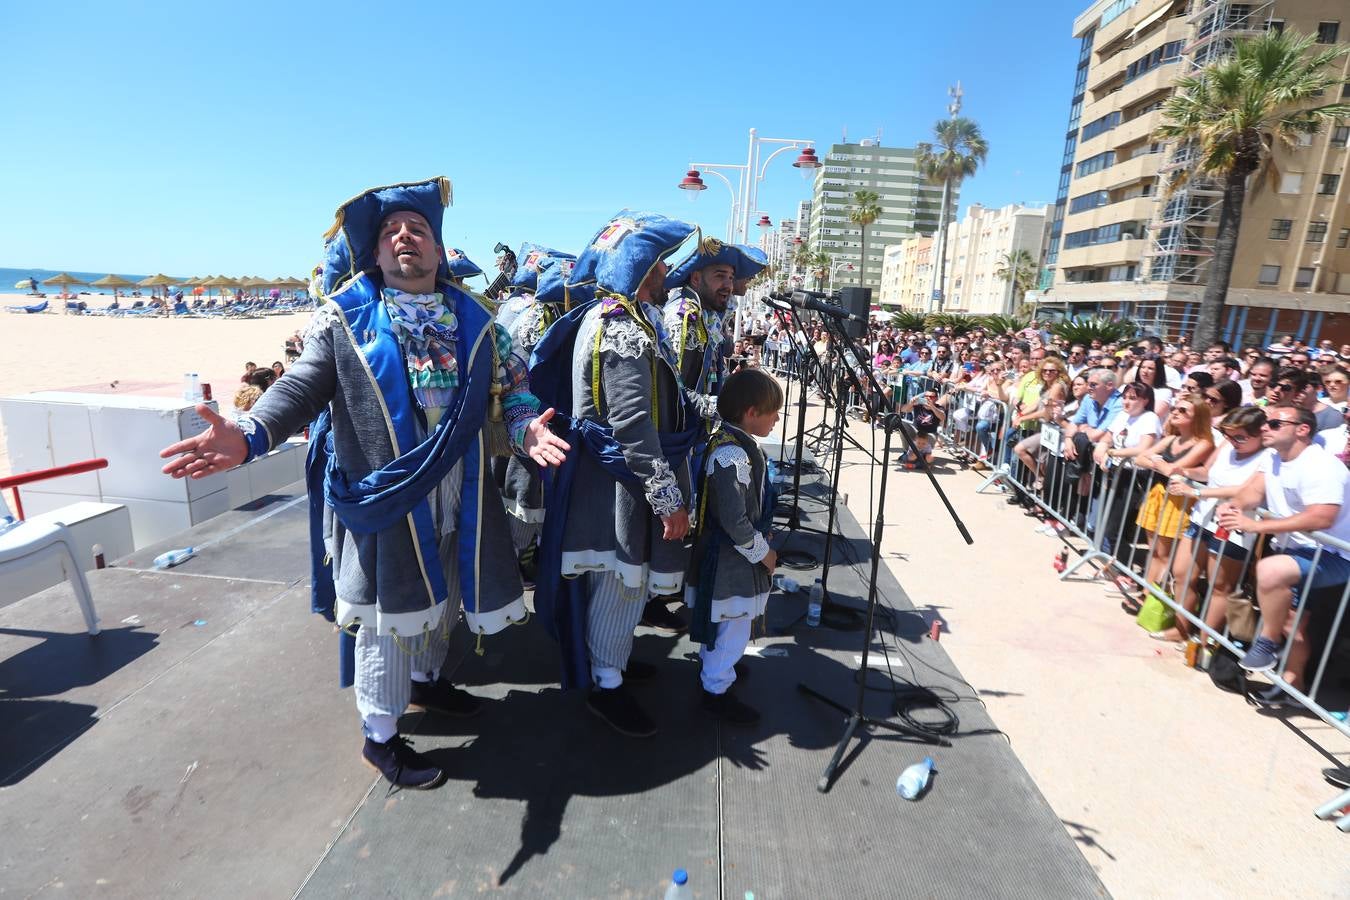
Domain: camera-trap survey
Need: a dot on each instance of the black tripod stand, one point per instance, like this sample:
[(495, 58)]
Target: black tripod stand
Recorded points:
[(892, 423)]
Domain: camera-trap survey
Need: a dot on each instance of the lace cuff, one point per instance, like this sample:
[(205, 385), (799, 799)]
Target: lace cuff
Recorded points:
[(758, 549), (663, 490)]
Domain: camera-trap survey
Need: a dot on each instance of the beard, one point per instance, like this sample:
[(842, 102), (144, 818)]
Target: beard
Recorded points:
[(411, 269)]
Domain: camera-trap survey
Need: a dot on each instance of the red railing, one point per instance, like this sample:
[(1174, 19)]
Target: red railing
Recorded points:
[(13, 482)]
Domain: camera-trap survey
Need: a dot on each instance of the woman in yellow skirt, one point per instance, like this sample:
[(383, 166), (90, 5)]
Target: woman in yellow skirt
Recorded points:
[(1186, 442)]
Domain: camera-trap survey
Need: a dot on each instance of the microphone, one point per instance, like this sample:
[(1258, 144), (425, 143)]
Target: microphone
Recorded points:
[(810, 300)]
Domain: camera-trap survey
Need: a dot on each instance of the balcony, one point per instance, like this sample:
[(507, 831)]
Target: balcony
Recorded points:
[(1116, 253), (1119, 175), (1136, 209), (1159, 79)]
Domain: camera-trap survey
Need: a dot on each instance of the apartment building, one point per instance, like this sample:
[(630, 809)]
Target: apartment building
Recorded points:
[(907, 274), (1120, 244), (909, 205), (978, 246)]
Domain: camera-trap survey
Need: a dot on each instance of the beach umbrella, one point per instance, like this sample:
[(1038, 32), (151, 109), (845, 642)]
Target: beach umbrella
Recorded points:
[(25, 284), (157, 281), (65, 280), (112, 281), (220, 281)]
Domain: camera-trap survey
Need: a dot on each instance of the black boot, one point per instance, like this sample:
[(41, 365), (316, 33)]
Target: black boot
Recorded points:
[(621, 712), (401, 765), (727, 708)]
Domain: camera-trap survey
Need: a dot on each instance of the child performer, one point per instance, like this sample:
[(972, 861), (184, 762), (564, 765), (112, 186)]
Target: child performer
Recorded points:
[(730, 575)]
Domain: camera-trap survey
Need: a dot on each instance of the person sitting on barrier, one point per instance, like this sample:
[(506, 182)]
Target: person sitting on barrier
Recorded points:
[(1131, 433), (1186, 442), (1200, 552), (1306, 489), (1051, 390), (927, 418), (989, 413)]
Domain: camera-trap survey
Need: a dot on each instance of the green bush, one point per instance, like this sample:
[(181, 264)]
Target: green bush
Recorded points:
[(1103, 328), (908, 320)]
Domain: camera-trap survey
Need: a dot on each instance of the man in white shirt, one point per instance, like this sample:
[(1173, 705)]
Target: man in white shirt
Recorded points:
[(1306, 489)]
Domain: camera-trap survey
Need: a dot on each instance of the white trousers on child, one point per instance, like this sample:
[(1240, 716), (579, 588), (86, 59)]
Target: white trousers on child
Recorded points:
[(719, 673)]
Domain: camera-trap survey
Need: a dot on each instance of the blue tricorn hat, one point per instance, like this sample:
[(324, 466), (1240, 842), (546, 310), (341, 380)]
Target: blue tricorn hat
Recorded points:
[(530, 261), (349, 245), (460, 265), (621, 254), (553, 275), (745, 261)]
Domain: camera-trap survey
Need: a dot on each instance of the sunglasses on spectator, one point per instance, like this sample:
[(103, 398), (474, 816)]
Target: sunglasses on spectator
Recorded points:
[(1282, 386), (1277, 424), (1240, 437), (1214, 398)]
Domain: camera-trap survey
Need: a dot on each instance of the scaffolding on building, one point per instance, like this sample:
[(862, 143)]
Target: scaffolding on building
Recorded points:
[(1185, 222)]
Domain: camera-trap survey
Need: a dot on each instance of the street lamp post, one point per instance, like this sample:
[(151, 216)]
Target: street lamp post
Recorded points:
[(749, 174), (835, 268)]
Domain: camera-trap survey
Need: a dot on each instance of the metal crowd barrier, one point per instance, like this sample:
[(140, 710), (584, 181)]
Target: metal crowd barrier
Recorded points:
[(1103, 509)]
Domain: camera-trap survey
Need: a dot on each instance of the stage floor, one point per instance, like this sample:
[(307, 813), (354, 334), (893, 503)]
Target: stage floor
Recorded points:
[(199, 747)]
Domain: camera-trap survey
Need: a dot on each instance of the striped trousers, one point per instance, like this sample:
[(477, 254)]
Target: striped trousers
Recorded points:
[(613, 615), (385, 667)]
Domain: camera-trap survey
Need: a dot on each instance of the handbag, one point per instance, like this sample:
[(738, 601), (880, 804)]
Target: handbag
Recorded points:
[(1242, 617), (1155, 615)]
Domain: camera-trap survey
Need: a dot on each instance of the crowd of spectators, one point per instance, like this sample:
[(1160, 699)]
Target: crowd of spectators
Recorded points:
[(1210, 434)]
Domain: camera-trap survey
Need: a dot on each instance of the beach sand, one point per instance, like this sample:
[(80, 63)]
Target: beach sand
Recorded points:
[(148, 355)]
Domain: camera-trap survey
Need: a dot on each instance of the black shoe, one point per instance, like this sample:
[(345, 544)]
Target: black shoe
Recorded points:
[(1338, 775), (659, 616), (621, 712), (637, 670), (443, 697), (401, 765), (726, 708), (742, 671)]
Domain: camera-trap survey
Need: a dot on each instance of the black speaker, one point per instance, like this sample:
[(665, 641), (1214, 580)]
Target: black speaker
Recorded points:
[(857, 300)]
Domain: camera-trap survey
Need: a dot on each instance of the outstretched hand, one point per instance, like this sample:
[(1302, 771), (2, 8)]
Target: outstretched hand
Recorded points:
[(220, 447), (542, 445)]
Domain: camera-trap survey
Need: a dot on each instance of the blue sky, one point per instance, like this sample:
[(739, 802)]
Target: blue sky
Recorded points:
[(195, 138)]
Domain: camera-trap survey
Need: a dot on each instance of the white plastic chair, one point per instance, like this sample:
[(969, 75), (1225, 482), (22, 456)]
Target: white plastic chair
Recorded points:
[(23, 544)]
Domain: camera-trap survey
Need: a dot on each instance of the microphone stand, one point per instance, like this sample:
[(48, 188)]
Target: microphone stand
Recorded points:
[(804, 558), (856, 716)]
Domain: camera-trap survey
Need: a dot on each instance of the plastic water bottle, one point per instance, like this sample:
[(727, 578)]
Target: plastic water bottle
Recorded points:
[(813, 604), (785, 583), (679, 886), (188, 393), (196, 387), (913, 780), (174, 557)]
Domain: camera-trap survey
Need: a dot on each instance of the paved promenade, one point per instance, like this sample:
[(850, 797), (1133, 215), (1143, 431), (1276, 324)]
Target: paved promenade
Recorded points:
[(1170, 787)]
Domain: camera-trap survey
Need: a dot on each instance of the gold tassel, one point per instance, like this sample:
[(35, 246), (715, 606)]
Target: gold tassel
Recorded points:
[(336, 226), (447, 191), (498, 442)]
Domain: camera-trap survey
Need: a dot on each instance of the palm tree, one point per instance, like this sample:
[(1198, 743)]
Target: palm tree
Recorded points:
[(955, 154), (1019, 270), (819, 266), (865, 210), (1231, 112)]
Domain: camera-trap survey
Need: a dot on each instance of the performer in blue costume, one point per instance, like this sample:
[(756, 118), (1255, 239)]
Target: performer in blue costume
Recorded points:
[(461, 267), (537, 296), (617, 510), (411, 387), (700, 291)]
